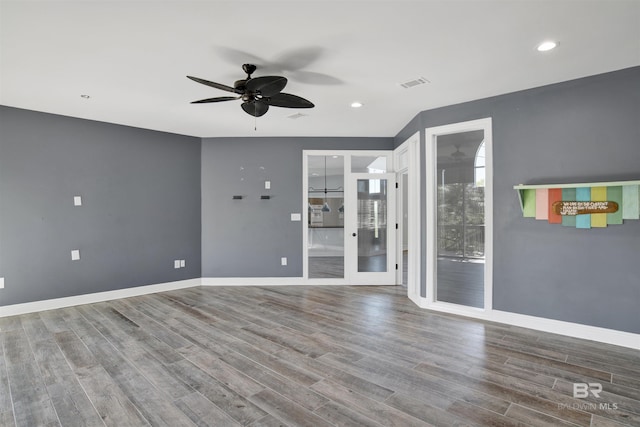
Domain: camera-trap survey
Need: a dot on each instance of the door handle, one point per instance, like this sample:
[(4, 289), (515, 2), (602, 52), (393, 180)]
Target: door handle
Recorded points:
[(354, 234)]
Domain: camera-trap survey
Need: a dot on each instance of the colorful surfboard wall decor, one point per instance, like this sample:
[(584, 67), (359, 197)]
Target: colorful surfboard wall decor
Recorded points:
[(584, 205)]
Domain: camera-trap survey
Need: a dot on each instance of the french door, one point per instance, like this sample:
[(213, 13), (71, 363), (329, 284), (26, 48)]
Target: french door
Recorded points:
[(350, 224), (371, 230)]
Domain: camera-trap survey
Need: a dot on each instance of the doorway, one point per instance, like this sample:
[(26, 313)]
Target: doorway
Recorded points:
[(349, 235), (408, 251)]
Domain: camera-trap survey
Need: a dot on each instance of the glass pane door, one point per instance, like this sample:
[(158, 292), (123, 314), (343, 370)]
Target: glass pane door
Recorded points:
[(373, 231), (372, 225), (325, 203)]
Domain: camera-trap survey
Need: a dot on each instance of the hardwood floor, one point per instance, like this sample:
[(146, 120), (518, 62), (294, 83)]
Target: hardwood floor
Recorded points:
[(300, 356)]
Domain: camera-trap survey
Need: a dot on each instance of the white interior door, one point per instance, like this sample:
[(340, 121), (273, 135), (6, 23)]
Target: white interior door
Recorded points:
[(370, 224)]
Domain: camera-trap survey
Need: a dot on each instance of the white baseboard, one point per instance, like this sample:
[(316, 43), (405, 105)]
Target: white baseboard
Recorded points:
[(51, 304), (271, 281), (576, 330), (279, 281)]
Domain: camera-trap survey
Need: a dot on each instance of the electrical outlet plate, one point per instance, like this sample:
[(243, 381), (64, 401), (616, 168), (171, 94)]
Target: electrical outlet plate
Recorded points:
[(1, 282), (77, 200), (75, 255), (267, 185), (182, 263), (283, 260), (176, 263), (296, 217)]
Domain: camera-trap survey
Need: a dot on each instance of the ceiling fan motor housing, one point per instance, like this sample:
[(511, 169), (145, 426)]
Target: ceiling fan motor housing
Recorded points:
[(249, 69)]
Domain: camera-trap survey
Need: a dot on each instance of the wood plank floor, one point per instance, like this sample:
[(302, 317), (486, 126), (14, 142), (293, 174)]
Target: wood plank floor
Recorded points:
[(300, 356)]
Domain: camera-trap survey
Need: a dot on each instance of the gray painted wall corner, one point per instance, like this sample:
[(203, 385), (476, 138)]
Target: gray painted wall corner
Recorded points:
[(140, 206)]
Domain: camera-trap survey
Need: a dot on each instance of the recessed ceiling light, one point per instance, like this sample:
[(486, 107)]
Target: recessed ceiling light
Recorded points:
[(356, 104), (546, 46)]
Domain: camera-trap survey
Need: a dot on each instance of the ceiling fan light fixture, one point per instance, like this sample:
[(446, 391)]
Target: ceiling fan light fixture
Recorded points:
[(546, 46)]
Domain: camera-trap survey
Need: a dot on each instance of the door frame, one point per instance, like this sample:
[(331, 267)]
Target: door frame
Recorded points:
[(407, 161), (305, 212), (431, 135)]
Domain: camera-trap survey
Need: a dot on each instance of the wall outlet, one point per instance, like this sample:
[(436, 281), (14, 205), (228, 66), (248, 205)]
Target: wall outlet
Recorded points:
[(1, 282), (267, 185), (176, 263), (77, 200), (296, 217), (283, 260), (75, 255), (182, 263)]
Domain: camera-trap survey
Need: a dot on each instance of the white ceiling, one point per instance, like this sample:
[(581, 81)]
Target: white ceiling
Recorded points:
[(132, 57)]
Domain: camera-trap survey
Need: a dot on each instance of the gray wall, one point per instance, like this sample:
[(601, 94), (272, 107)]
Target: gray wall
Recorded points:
[(141, 206), (586, 130), (247, 238)]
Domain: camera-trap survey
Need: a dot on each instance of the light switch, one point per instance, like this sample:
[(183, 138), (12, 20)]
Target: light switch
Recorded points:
[(267, 185), (182, 263), (1, 282), (77, 200), (283, 260), (296, 217), (75, 255), (176, 263)]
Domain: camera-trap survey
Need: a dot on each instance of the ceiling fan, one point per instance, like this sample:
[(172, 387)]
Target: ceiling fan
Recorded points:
[(257, 94), (457, 155)]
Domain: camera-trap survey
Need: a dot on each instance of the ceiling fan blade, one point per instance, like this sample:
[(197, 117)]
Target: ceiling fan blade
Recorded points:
[(218, 99), (214, 84), (289, 101), (235, 56), (255, 108), (310, 77), (299, 58), (267, 85)]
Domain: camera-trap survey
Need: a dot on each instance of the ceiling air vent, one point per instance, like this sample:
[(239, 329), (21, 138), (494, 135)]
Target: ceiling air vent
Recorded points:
[(416, 82)]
